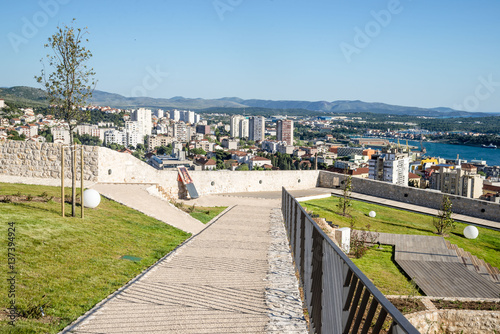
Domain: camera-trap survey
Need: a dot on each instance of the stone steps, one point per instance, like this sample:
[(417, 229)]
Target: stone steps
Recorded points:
[(476, 264)]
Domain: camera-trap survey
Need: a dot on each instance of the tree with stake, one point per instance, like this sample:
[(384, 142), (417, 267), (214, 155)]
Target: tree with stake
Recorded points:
[(344, 204), (70, 84), (443, 222)]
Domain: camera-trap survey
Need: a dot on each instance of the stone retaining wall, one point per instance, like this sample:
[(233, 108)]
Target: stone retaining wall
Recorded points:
[(422, 197), (43, 160), (455, 321)]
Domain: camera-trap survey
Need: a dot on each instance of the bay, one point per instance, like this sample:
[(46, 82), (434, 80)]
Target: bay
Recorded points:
[(449, 151)]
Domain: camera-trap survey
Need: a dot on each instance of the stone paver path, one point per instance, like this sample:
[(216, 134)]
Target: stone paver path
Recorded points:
[(224, 280)]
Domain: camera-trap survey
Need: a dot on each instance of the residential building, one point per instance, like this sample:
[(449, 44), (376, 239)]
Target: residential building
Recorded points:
[(143, 117), (205, 163), (112, 136), (175, 115), (132, 134), (60, 135), (257, 128), (230, 144), (235, 126), (244, 128), (259, 162), (203, 129), (160, 140), (204, 145), (2, 103), (284, 131), (180, 132), (458, 181), (88, 129), (285, 149), (391, 166)]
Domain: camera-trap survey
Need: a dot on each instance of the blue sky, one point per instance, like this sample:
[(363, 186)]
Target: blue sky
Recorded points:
[(408, 52)]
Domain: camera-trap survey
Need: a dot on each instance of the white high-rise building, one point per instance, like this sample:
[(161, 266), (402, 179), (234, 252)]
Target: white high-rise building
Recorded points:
[(257, 128), (133, 135), (143, 117), (390, 167), (160, 113), (244, 126), (175, 115), (235, 126)]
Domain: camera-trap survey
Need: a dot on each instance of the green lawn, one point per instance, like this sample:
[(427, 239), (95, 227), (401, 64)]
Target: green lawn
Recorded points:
[(74, 263), (378, 265), (206, 214), (389, 220)]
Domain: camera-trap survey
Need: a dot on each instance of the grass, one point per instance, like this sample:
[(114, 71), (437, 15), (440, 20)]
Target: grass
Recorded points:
[(71, 264), (206, 214), (389, 220), (377, 264)]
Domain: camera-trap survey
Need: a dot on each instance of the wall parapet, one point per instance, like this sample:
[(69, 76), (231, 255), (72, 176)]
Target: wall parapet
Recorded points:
[(422, 197)]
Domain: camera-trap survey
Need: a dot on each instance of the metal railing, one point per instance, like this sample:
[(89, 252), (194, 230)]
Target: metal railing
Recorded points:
[(339, 297)]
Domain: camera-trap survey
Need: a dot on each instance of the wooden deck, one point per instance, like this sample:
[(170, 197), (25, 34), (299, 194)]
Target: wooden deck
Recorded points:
[(438, 270)]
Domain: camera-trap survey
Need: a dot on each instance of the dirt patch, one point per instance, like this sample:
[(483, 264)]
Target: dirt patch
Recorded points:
[(466, 305), (408, 305)]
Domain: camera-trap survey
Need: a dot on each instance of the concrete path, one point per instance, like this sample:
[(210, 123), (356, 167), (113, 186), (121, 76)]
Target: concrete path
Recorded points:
[(220, 281), (137, 197)]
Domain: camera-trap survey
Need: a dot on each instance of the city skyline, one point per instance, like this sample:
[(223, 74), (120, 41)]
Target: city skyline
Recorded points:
[(410, 53)]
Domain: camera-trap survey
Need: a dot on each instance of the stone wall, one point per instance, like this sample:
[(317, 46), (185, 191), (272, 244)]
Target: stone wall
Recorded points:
[(115, 167), (422, 197), (455, 321), (43, 160)]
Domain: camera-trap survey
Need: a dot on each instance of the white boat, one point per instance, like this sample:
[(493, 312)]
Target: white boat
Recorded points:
[(490, 146)]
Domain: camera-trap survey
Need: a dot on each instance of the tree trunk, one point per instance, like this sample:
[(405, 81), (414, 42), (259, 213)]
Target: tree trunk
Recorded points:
[(73, 173)]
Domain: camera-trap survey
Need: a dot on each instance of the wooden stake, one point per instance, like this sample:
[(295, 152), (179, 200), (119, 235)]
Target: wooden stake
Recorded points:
[(81, 179), (62, 180)]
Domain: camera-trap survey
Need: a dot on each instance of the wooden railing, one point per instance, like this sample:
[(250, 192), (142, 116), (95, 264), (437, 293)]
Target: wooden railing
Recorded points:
[(339, 297)]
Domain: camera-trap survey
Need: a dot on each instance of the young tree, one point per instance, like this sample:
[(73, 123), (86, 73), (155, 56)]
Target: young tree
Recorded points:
[(344, 204), (443, 222), (70, 84)]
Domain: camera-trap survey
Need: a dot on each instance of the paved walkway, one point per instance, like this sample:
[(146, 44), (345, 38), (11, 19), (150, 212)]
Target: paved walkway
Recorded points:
[(233, 277), (137, 197)]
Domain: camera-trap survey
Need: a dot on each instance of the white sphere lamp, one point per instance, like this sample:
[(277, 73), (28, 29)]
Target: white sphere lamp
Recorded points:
[(91, 198), (471, 232), (372, 214)]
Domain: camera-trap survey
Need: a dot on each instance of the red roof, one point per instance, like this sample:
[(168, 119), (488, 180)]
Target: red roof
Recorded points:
[(260, 159), (413, 176)]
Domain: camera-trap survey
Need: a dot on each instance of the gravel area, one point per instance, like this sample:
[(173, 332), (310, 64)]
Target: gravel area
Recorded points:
[(282, 296)]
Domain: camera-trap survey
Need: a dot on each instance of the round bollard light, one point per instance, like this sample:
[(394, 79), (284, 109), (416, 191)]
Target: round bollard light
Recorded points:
[(91, 198), (471, 232), (372, 214)]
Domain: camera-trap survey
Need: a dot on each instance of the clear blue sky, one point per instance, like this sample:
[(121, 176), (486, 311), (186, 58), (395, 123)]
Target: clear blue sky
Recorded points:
[(424, 53)]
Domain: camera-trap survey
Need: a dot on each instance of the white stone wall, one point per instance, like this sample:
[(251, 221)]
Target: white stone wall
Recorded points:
[(118, 167)]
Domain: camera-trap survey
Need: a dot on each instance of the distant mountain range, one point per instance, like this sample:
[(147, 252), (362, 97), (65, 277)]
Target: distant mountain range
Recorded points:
[(26, 95)]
